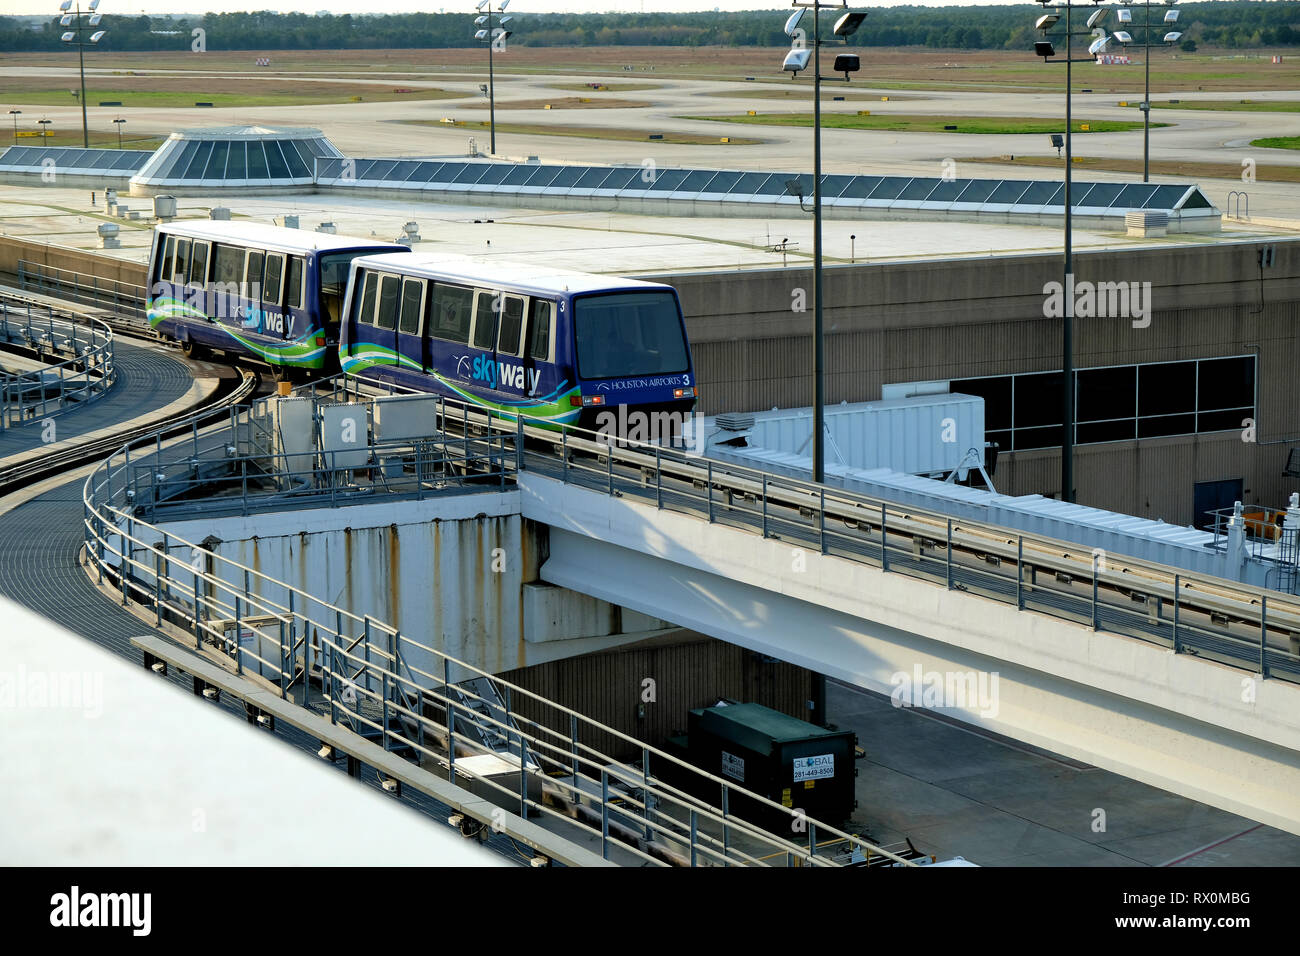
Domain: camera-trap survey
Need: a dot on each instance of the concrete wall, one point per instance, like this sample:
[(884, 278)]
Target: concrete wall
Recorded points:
[(54, 256), (449, 572)]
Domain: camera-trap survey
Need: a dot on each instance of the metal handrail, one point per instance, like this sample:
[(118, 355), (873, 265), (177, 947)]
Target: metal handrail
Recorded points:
[(84, 287), (147, 568), (86, 376)]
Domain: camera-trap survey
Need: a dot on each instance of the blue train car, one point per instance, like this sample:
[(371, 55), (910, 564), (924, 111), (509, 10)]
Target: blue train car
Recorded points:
[(250, 289), (557, 347)]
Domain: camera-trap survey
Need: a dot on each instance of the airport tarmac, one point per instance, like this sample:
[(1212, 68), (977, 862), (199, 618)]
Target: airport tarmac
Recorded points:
[(383, 129)]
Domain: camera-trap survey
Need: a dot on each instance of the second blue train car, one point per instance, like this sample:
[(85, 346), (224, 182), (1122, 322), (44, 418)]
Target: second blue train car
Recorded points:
[(557, 347)]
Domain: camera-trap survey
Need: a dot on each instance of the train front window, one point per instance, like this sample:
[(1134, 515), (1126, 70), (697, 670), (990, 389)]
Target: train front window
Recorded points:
[(622, 334)]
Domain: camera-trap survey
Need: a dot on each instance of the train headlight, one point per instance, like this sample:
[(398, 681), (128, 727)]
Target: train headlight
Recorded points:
[(691, 392)]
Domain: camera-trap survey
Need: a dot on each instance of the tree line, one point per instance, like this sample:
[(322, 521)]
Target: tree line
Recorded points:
[(1232, 24)]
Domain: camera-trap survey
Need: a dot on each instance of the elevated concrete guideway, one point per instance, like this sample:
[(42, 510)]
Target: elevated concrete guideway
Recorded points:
[(1179, 722)]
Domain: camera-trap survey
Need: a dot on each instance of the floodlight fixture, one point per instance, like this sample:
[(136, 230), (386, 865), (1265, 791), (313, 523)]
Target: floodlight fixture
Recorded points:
[(95, 18), (504, 20), (1124, 16), (847, 63), (94, 4), (95, 37), (1123, 37), (479, 21), (792, 23), (65, 6), (67, 37), (504, 4), (480, 34), (794, 187), (848, 24), (1171, 16), (1097, 16), (1044, 49), (65, 20), (1058, 140), (1046, 21), (481, 4), (502, 35), (1173, 36), (796, 60), (1098, 46)]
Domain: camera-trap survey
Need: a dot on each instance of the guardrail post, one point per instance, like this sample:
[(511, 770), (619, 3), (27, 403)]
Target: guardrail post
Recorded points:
[(726, 830), (709, 488), (564, 451), (1020, 572), (198, 631), (1177, 592), (383, 691), (157, 584), (519, 443), (573, 746), (764, 493), (645, 790), (285, 655), (659, 478), (125, 557), (821, 520), (884, 541), (604, 813), (694, 833), (948, 549), (609, 464), (328, 681), (523, 776), (812, 839), (1263, 637), (1096, 622)]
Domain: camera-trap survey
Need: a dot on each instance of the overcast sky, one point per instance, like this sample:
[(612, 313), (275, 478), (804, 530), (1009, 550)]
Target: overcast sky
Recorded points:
[(135, 7)]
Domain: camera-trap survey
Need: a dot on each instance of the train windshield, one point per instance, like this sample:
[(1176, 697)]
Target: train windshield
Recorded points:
[(622, 334)]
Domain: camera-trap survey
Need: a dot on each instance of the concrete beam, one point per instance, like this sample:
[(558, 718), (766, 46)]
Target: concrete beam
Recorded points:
[(1200, 729)]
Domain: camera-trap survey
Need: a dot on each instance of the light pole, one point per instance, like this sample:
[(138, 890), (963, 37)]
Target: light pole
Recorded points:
[(1047, 51), (492, 35), (118, 123), (76, 38), (45, 129), (15, 114), (1171, 17), (796, 61)]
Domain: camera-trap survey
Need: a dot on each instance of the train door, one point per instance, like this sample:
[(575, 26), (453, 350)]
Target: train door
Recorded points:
[(483, 340), (293, 298), (539, 351), (251, 293), (412, 347), (514, 374), (384, 333)]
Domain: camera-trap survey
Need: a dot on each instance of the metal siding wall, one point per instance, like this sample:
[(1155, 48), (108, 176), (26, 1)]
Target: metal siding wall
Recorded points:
[(607, 687)]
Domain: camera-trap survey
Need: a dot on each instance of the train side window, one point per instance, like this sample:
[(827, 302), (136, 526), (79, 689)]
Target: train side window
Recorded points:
[(366, 313), (168, 254), (199, 264), (485, 320), (389, 292), (539, 329), (181, 265), (293, 283), (271, 283), (451, 310), (253, 275), (512, 324), (229, 264), (412, 306)]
